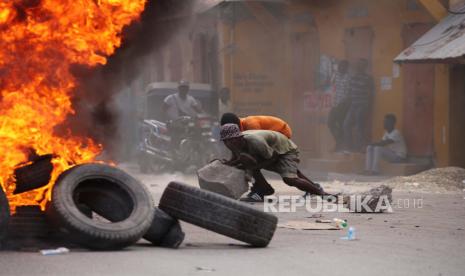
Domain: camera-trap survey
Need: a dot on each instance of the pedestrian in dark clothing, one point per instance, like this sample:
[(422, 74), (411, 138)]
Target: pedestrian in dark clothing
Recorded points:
[(341, 105), (361, 88)]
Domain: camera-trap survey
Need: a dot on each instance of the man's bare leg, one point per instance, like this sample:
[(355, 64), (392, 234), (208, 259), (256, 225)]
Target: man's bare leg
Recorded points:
[(261, 186), (304, 185)]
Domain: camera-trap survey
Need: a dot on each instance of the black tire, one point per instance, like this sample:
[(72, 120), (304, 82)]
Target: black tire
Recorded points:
[(174, 237), (161, 225), (34, 175), (4, 215), (28, 222), (218, 214), (88, 180)]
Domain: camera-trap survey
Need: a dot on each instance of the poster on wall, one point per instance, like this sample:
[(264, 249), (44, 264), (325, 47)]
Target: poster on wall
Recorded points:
[(317, 101)]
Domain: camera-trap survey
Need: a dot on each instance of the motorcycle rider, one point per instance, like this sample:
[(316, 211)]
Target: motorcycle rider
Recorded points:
[(181, 103)]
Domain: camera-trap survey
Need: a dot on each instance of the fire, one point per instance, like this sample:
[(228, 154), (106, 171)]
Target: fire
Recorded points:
[(39, 41)]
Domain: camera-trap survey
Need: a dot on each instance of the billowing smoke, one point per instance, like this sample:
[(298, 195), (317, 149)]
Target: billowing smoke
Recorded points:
[(96, 114)]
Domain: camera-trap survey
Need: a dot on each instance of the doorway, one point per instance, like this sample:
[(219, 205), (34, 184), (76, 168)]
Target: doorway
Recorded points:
[(457, 115), (418, 98)]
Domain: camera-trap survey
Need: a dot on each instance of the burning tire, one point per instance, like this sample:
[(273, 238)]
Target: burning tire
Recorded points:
[(165, 230), (218, 214), (4, 215), (83, 183)]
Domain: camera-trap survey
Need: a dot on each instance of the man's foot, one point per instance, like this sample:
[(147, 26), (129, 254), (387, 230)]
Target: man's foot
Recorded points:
[(252, 197)]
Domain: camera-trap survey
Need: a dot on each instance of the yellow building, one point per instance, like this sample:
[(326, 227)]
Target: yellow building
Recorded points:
[(277, 58)]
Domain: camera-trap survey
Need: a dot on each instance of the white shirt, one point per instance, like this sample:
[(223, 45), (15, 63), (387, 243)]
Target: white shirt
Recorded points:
[(398, 146), (178, 107), (224, 108)]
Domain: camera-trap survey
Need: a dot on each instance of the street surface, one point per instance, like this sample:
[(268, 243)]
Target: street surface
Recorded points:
[(427, 238)]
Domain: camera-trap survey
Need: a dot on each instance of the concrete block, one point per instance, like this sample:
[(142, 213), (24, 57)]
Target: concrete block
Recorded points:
[(222, 179)]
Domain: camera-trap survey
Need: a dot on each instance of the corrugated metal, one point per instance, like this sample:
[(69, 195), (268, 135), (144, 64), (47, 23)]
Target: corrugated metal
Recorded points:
[(444, 41), (204, 5)]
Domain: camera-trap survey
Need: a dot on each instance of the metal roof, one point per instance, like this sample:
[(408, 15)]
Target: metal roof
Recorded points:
[(443, 42), (204, 5)]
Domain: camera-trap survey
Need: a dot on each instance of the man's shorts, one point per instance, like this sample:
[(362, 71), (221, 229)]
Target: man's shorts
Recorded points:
[(286, 165)]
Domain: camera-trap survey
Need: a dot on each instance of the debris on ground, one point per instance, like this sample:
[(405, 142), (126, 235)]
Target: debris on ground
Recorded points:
[(306, 225), (57, 251), (341, 223), (350, 234), (372, 198), (205, 269), (323, 221), (448, 179), (316, 216), (223, 179)]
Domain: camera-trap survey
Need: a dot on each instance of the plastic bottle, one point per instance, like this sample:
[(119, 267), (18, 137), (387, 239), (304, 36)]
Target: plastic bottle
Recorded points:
[(340, 222), (351, 233), (59, 250)]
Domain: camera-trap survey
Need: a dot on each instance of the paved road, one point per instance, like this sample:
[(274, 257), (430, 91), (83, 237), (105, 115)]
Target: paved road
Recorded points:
[(414, 241)]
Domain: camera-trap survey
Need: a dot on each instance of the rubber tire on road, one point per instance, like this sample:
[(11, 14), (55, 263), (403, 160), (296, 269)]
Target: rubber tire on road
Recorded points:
[(4, 215), (218, 214), (89, 179), (174, 237), (161, 225)]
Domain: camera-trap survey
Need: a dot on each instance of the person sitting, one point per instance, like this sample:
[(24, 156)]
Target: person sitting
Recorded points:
[(391, 148), (257, 122), (269, 150)]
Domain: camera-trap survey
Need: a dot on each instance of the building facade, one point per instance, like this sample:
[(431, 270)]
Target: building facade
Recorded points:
[(278, 57)]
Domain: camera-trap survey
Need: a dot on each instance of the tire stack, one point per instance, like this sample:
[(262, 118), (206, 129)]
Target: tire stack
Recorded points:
[(101, 207), (28, 222)]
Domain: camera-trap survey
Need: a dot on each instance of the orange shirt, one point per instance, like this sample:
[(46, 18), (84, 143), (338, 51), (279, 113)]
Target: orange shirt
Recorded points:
[(266, 123)]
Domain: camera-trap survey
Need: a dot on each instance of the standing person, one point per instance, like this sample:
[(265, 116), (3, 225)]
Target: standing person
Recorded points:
[(257, 122), (391, 148), (269, 150), (361, 88), (180, 103), (341, 104), (224, 102)]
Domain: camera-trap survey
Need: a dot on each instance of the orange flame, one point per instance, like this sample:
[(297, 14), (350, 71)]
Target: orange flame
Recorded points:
[(40, 40)]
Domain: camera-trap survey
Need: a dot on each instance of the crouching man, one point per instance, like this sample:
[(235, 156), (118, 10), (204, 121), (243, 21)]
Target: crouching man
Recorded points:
[(269, 150)]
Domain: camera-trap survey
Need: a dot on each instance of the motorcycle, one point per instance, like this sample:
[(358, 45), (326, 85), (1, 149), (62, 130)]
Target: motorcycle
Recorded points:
[(176, 145)]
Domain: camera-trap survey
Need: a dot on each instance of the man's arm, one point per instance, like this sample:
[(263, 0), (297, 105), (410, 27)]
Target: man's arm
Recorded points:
[(197, 106)]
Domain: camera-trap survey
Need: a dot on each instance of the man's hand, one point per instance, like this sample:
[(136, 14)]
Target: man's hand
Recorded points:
[(233, 162)]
